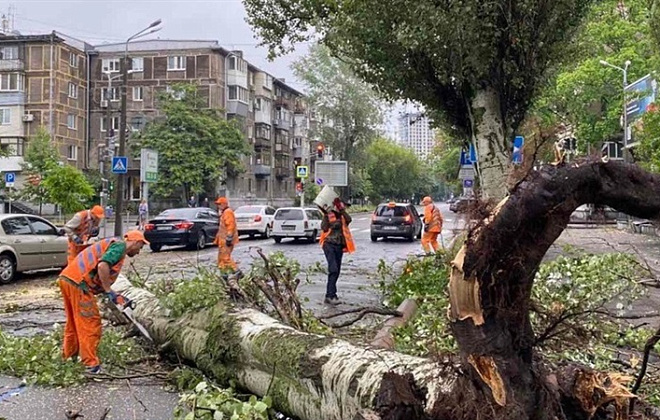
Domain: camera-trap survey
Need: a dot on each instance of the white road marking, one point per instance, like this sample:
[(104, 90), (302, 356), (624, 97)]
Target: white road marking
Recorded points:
[(365, 230)]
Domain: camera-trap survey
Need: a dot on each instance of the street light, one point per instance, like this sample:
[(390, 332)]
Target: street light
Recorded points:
[(624, 70), (122, 123)]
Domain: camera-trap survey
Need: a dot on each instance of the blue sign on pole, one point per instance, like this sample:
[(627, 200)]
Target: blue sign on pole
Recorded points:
[(119, 165), (473, 153), (319, 181), (517, 155), (468, 183), (10, 177)]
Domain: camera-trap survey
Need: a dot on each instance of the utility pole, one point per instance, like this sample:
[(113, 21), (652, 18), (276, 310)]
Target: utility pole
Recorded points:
[(121, 178)]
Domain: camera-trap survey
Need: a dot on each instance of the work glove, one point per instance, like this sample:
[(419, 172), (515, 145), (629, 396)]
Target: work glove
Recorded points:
[(116, 298), (94, 232), (339, 204), (426, 227), (230, 240), (77, 240)]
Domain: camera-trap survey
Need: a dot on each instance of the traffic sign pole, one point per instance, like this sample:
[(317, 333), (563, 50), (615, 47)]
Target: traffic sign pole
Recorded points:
[(302, 194)]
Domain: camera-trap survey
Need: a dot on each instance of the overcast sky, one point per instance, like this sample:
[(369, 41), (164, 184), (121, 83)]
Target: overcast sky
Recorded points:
[(101, 21)]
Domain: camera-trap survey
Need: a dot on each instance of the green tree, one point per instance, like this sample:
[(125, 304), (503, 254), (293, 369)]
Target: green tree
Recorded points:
[(348, 110), (394, 171), (196, 145), (41, 157), (67, 187), (475, 65)]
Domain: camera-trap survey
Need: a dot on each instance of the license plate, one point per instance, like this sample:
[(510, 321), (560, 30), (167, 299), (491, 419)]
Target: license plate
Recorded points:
[(389, 227), (242, 220), (288, 228), (164, 228)]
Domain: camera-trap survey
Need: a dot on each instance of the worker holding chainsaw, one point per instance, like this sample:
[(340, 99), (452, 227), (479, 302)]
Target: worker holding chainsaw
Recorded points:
[(83, 226), (92, 272)]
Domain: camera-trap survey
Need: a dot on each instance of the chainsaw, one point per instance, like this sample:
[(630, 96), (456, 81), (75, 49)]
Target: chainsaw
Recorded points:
[(126, 308)]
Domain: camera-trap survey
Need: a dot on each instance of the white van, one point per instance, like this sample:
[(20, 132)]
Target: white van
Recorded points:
[(296, 222)]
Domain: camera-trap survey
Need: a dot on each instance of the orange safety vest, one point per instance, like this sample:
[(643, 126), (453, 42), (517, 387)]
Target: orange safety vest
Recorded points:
[(348, 238), (85, 229), (227, 226), (83, 268), (433, 218)]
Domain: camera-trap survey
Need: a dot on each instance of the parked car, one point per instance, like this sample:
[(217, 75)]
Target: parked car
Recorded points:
[(193, 227), (396, 220), (462, 204), (296, 222), (28, 243), (253, 220)]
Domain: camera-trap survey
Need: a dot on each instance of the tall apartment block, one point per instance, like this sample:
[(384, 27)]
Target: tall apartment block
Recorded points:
[(72, 89), (416, 133)]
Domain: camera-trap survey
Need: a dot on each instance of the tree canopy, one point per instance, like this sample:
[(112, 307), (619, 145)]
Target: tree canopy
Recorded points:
[(394, 171), (196, 144)]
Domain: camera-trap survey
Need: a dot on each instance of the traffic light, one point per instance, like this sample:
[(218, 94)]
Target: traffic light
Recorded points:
[(319, 151)]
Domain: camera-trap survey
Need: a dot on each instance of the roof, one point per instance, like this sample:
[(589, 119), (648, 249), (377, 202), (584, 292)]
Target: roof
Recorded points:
[(160, 45), (275, 79), (54, 36)]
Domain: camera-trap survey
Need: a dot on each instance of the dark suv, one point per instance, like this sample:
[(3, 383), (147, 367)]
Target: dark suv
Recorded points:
[(396, 220)]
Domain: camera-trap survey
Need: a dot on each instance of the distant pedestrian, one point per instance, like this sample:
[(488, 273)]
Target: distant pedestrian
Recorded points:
[(143, 209), (335, 240), (206, 202), (191, 202)]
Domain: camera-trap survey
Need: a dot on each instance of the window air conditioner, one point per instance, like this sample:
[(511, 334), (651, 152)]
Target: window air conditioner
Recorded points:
[(28, 117)]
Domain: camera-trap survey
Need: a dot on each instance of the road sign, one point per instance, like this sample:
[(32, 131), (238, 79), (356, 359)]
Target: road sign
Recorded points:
[(468, 183), (333, 173), (119, 165), (517, 155), (302, 171), (466, 173), (148, 165), (319, 181), (10, 178)]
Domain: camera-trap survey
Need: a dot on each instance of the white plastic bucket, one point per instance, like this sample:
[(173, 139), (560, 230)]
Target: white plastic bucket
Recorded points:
[(326, 197)]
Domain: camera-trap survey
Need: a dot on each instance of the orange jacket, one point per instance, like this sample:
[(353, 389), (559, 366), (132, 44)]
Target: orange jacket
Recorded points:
[(227, 227), (83, 267), (433, 218), (350, 244)]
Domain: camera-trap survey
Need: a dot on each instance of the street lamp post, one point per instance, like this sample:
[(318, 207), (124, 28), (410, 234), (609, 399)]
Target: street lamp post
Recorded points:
[(106, 151), (624, 70), (122, 124)]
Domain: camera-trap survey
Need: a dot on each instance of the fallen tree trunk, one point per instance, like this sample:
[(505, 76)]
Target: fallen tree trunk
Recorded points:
[(309, 376)]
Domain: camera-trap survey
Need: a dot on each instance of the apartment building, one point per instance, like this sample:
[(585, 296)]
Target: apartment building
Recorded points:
[(416, 133), (43, 83)]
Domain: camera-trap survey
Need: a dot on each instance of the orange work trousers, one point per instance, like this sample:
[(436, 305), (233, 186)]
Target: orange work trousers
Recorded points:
[(225, 261), (73, 251), (430, 240), (82, 331)]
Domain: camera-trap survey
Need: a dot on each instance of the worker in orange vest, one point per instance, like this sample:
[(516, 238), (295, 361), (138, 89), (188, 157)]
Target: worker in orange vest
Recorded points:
[(82, 226), (432, 225), (227, 236), (336, 239), (91, 273)]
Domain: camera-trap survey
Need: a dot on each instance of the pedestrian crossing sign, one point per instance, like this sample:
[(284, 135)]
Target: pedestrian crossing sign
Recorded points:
[(119, 165), (302, 171)]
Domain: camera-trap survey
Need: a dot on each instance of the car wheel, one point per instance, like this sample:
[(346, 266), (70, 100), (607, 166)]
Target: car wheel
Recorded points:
[(277, 240), (155, 247), (267, 232), (411, 237), (312, 238), (7, 269), (251, 236), (419, 234), (201, 240), (374, 238)]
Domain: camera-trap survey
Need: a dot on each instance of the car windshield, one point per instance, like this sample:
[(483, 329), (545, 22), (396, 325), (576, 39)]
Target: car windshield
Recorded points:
[(387, 211), (248, 210), (289, 214), (178, 214)]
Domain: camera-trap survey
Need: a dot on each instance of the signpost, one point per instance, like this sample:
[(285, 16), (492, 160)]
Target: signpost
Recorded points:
[(10, 179), (119, 165), (148, 172), (302, 171), (517, 155)]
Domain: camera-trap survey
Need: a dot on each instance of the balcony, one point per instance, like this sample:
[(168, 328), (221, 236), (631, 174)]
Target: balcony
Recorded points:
[(281, 123), (287, 103), (261, 142), (12, 65), (300, 107), (261, 170), (298, 152), (283, 172), (282, 149), (236, 107)]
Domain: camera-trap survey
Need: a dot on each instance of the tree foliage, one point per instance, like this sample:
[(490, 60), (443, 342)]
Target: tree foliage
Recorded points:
[(195, 144), (394, 171), (347, 109), (41, 156)]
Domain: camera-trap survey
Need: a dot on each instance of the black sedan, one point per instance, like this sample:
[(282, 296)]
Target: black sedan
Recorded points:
[(396, 220), (192, 227)]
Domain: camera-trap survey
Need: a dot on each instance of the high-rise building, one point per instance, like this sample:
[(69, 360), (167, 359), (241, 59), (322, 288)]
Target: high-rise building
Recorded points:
[(416, 133)]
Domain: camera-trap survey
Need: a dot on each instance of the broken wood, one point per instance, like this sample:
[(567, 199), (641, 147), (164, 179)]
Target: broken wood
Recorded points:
[(384, 338), (361, 313)]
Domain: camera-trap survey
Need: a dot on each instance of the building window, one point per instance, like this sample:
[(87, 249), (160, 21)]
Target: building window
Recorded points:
[(137, 93), (71, 121), (613, 150), (5, 116), (251, 78), (73, 60), (176, 94), (237, 63), (110, 65), (268, 82), (257, 104), (9, 53), (114, 94), (115, 123), (137, 64), (11, 82), (72, 152), (73, 90), (12, 146), (176, 63), (238, 93)]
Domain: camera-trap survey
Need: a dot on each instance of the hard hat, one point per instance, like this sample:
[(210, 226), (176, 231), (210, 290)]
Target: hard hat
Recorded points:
[(222, 200), (135, 235), (98, 212)]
